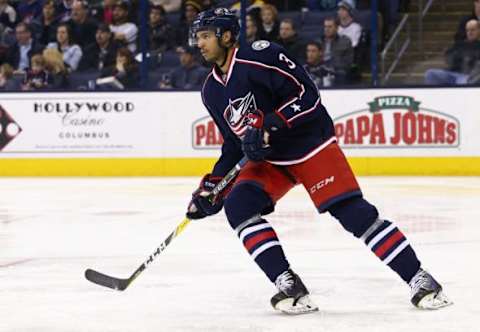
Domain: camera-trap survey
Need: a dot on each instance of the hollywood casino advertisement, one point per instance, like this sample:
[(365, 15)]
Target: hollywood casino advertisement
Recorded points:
[(368, 123), (70, 125)]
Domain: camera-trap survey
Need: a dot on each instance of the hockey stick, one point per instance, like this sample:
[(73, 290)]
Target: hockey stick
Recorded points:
[(122, 284)]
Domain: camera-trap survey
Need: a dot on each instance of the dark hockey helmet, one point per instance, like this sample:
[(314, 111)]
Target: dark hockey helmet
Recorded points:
[(218, 20)]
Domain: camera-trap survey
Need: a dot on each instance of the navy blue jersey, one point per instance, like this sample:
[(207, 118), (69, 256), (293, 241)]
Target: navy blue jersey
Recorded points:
[(263, 76)]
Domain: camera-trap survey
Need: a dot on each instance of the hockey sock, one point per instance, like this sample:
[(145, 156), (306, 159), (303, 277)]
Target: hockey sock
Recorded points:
[(261, 242), (389, 244)]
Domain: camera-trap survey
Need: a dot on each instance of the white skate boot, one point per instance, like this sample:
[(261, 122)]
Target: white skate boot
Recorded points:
[(426, 292), (292, 298)]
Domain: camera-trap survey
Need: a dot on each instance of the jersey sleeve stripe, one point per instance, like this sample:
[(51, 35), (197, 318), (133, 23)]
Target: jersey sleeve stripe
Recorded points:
[(305, 112), (292, 100)]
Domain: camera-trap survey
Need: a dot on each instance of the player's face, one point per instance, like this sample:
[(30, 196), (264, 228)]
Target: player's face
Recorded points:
[(208, 45)]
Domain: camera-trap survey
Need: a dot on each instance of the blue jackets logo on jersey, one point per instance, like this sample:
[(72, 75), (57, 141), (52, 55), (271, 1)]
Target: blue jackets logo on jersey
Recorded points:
[(237, 110)]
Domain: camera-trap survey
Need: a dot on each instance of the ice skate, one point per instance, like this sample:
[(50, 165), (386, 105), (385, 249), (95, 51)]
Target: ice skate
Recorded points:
[(427, 292), (293, 297)]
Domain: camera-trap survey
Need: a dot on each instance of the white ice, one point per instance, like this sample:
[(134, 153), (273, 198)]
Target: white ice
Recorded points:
[(51, 230)]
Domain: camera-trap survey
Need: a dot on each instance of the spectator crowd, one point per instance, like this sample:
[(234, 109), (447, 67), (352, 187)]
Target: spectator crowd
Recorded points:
[(79, 44), (462, 59)]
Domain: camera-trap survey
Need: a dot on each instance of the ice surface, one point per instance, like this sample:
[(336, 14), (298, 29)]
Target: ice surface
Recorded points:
[(51, 230)]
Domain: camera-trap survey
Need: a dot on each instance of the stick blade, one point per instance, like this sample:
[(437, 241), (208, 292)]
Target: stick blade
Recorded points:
[(106, 281)]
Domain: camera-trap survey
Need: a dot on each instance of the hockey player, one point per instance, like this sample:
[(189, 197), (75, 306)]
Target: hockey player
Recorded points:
[(268, 109)]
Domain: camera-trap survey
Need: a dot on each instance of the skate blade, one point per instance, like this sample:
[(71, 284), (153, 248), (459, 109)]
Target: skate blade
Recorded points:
[(303, 306), (434, 301)]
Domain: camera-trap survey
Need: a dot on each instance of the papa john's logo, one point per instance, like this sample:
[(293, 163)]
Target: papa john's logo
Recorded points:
[(9, 129), (397, 122), (205, 134)]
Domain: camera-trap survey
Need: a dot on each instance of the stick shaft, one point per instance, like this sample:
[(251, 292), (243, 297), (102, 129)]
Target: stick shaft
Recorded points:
[(122, 284), (179, 229)]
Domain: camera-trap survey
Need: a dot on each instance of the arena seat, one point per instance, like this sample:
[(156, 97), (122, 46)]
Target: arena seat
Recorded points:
[(155, 76), (170, 59), (296, 16), (173, 18), (313, 18), (79, 80), (363, 17)]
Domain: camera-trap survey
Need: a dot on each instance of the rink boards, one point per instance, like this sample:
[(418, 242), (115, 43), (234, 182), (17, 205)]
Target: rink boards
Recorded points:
[(382, 132)]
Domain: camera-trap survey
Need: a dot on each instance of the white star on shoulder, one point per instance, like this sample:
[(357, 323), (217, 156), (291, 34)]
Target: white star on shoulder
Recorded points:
[(296, 107)]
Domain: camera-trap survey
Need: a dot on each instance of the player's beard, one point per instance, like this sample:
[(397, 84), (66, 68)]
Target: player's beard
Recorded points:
[(222, 57), (219, 54), (217, 57), (208, 59)]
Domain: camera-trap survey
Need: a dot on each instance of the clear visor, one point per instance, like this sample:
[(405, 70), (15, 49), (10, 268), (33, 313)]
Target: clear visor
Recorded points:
[(192, 36), (194, 29)]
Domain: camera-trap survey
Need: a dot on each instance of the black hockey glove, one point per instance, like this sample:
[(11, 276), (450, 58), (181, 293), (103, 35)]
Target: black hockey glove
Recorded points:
[(253, 143), (200, 206)]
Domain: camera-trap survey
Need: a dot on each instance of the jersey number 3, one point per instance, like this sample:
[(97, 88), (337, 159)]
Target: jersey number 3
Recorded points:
[(290, 63)]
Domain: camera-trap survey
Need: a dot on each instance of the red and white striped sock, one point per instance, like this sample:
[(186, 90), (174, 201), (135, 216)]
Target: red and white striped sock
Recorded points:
[(262, 243)]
